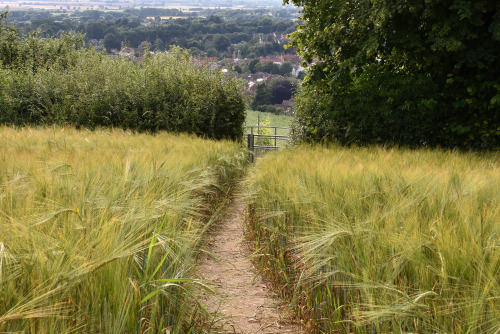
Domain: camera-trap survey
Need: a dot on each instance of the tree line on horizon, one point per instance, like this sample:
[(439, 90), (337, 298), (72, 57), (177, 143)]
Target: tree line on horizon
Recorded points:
[(253, 33)]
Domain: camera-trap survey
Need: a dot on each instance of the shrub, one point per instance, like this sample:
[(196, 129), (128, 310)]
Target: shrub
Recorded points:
[(270, 109), (166, 92)]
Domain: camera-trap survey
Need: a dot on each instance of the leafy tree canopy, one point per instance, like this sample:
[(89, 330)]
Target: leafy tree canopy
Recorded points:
[(32, 52), (252, 65), (224, 30), (281, 90), (111, 42), (263, 96), (221, 42), (412, 72)]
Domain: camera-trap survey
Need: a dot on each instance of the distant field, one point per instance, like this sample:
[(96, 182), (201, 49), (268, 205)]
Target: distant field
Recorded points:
[(99, 231), (253, 118), (374, 240)]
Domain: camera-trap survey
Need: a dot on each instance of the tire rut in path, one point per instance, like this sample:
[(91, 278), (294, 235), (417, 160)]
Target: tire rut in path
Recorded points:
[(243, 302)]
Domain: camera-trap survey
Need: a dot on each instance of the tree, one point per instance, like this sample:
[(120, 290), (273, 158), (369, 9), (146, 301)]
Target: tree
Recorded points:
[(238, 69), (286, 68), (215, 19), (33, 52), (252, 65), (145, 45), (221, 42), (211, 52), (158, 44), (270, 109), (281, 90), (263, 96), (270, 67), (194, 51), (9, 41), (111, 41), (95, 30), (428, 71)]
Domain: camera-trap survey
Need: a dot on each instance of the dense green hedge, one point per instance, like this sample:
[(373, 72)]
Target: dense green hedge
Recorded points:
[(167, 92), (88, 89), (415, 73)]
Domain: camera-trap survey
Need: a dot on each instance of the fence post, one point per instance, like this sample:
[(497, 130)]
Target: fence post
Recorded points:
[(275, 133), (251, 146)]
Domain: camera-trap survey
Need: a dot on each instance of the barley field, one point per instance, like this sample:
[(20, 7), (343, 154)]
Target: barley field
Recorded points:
[(375, 240), (99, 231)]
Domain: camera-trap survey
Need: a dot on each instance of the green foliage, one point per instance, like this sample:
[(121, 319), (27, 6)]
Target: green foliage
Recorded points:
[(221, 42), (269, 108), (252, 65), (264, 131), (267, 95), (238, 69), (50, 81), (33, 52), (267, 67), (110, 41), (263, 96), (282, 90), (211, 52), (231, 28), (286, 68), (412, 73)]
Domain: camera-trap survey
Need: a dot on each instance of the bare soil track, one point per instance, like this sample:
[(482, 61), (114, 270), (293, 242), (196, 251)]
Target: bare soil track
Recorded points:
[(243, 303)]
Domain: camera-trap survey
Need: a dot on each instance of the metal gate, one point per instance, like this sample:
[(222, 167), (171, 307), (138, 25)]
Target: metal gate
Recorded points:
[(266, 138)]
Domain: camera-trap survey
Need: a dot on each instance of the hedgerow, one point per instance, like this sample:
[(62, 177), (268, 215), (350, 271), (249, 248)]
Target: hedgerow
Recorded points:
[(56, 81)]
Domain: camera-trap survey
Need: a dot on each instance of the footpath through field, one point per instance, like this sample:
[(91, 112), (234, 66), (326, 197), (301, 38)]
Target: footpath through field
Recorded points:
[(243, 303)]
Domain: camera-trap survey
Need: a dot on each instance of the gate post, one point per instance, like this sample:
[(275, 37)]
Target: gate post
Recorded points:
[(275, 137), (251, 145)]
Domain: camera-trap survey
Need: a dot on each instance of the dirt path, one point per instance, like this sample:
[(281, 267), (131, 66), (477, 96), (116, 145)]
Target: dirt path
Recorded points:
[(243, 302)]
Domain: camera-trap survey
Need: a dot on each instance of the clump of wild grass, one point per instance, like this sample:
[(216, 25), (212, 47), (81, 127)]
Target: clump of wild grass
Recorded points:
[(382, 240), (99, 230)]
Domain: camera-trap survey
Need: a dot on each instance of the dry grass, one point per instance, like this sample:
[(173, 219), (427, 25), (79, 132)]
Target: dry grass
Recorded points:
[(99, 230), (381, 240)]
